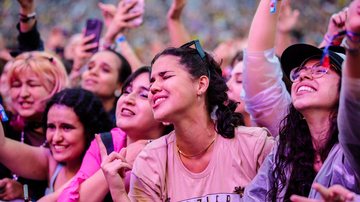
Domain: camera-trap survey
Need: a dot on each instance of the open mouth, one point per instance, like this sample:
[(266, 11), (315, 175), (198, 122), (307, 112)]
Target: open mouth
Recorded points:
[(305, 89), (127, 112)]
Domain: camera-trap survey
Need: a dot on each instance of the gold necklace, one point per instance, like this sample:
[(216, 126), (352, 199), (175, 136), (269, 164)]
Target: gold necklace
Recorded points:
[(198, 154)]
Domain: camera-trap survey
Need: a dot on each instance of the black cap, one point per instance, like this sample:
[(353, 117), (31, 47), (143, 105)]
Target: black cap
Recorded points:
[(296, 54)]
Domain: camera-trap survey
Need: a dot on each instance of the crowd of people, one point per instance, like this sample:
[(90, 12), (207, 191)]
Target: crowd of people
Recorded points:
[(268, 115)]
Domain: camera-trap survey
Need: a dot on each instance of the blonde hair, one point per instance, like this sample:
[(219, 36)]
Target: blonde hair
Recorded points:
[(49, 69)]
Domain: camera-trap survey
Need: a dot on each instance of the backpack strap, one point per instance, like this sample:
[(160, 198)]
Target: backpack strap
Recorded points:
[(108, 141)]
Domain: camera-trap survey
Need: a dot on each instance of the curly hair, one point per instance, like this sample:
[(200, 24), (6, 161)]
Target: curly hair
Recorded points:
[(216, 96), (295, 156), (86, 106)]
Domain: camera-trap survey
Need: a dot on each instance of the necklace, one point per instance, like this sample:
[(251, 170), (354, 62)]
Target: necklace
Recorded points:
[(193, 155)]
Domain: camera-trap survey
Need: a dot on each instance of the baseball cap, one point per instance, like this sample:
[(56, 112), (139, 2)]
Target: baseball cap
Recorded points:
[(296, 54)]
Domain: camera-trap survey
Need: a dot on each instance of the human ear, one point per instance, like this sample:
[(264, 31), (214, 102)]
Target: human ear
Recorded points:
[(203, 84)]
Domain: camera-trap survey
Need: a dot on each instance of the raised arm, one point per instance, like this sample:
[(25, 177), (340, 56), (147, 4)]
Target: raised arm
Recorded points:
[(349, 109), (177, 31), (24, 160), (266, 97), (119, 20), (336, 24), (29, 37)]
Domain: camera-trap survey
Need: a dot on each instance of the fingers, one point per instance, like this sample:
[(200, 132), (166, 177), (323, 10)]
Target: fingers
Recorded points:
[(296, 198), (339, 18), (325, 194), (338, 191), (102, 148), (108, 9)]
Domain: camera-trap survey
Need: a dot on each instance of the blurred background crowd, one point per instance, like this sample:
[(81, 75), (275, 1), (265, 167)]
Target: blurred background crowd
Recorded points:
[(212, 21)]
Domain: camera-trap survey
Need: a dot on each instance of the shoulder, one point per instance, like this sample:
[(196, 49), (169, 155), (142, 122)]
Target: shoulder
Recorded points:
[(155, 153), (253, 139), (242, 132)]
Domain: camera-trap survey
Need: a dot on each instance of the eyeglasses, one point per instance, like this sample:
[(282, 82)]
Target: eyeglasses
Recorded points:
[(198, 48), (317, 71)]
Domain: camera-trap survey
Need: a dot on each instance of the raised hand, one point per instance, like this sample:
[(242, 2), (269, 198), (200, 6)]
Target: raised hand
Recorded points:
[(28, 6), (176, 9), (122, 19), (335, 193), (10, 189), (288, 17), (114, 167), (353, 20)]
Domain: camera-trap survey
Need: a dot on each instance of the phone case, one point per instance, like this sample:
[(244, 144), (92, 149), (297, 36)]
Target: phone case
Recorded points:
[(139, 7), (94, 26)]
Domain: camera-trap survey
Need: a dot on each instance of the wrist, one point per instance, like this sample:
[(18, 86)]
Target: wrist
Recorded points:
[(25, 18), (352, 47)]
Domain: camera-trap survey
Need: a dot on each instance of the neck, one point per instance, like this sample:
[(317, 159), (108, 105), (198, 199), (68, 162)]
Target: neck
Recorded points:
[(247, 119), (195, 135), (108, 103), (319, 126), (148, 134), (71, 168)]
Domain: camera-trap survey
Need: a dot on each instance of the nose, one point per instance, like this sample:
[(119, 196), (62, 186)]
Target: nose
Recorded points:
[(94, 70), (130, 98), (228, 83), (305, 74), (155, 87), (24, 91), (57, 136)]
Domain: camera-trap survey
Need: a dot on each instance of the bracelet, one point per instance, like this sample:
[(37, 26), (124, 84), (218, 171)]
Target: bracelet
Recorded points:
[(352, 36), (26, 18), (120, 39), (332, 40), (351, 46)]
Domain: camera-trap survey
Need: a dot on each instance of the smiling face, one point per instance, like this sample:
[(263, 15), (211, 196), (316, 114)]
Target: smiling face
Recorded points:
[(133, 111), (315, 93), (65, 134), (173, 91), (236, 87), (28, 94), (102, 74)]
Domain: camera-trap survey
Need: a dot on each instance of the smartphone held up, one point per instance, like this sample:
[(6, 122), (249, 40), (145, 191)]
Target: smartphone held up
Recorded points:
[(138, 8), (94, 26)]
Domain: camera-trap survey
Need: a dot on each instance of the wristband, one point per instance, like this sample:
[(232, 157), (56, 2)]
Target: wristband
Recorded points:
[(26, 18), (351, 46), (120, 39), (352, 36)]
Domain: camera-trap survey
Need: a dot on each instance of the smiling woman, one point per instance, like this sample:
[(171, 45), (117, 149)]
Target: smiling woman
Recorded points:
[(71, 119), (33, 77)]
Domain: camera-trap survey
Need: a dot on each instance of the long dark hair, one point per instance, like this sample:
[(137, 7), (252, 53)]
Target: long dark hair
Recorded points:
[(295, 156), (227, 118), (87, 107)]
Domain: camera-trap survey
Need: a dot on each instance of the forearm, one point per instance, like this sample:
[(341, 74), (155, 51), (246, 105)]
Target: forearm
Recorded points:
[(123, 47), (349, 111), (282, 41), (95, 186), (177, 32), (33, 160), (27, 26), (263, 27)]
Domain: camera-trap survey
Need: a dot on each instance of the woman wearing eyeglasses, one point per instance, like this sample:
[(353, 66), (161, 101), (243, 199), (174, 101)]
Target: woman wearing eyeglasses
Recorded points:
[(308, 150), (209, 155)]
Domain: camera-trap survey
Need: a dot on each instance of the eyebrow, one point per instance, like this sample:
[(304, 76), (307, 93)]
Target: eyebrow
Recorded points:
[(161, 74)]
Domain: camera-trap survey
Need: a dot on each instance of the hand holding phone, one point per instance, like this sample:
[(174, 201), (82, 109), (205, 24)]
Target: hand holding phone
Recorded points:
[(138, 8), (93, 26)]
